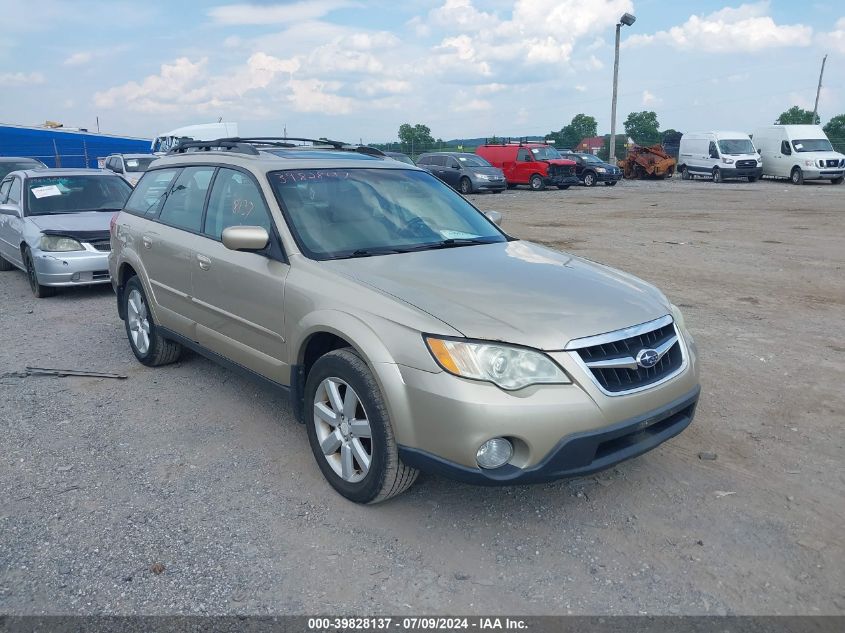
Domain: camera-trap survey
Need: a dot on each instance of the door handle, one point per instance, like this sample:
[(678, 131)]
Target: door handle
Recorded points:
[(146, 241), (204, 262)]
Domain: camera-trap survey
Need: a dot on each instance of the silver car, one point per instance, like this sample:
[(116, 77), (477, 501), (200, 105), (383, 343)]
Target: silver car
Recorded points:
[(130, 166), (54, 225)]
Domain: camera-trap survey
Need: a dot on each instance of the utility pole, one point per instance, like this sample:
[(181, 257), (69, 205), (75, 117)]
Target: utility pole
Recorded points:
[(818, 91), (627, 19)]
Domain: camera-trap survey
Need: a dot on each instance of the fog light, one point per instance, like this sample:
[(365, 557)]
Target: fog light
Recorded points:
[(494, 453), (74, 277)]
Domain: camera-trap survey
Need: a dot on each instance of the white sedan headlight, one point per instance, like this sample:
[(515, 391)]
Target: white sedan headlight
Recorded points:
[(506, 366), (60, 244)]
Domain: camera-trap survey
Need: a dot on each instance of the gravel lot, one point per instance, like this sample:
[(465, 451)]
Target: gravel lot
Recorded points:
[(205, 473)]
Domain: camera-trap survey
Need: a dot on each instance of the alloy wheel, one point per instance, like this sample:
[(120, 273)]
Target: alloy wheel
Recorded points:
[(343, 429), (138, 320)]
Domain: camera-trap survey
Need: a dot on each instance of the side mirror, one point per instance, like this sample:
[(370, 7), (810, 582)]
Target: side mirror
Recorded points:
[(117, 169), (455, 166), (10, 209), (494, 216), (245, 238)]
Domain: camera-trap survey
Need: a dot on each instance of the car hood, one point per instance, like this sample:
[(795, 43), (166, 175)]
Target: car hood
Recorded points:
[(489, 171), (84, 221), (516, 291)]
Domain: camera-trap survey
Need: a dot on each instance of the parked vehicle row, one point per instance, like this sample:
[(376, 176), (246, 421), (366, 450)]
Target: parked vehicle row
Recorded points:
[(796, 152)]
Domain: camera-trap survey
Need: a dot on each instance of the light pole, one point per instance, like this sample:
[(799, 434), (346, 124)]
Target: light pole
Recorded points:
[(627, 19)]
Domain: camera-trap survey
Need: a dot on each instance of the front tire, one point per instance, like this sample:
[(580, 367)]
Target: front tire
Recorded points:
[(797, 176), (589, 179), (717, 174), (685, 174), (752, 179), (833, 181), (465, 186), (38, 290), (536, 183), (350, 432), (148, 345)]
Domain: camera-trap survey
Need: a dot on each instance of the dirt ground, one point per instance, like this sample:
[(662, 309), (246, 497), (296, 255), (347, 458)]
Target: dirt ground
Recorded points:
[(205, 473)]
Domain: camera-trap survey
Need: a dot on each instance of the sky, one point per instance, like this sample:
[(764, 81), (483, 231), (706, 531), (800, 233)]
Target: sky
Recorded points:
[(356, 70)]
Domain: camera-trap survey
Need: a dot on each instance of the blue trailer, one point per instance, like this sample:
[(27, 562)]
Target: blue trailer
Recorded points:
[(56, 147)]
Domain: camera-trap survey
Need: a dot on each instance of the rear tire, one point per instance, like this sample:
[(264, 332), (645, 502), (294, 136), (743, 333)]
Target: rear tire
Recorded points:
[(536, 183), (796, 176), (717, 174), (38, 290), (349, 430), (612, 183), (465, 186), (148, 345)]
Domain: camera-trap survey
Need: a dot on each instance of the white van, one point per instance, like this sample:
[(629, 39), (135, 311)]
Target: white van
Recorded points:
[(718, 155), (163, 143), (798, 152)]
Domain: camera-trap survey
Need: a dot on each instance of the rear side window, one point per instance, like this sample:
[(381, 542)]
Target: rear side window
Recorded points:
[(150, 192), (235, 201), (439, 161), (184, 204), (424, 160)]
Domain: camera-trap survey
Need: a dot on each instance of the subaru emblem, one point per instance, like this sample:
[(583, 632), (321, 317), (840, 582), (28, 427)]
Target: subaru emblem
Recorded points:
[(647, 358)]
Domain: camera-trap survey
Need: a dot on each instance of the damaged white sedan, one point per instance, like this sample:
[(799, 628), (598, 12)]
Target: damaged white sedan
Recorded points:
[(54, 225)]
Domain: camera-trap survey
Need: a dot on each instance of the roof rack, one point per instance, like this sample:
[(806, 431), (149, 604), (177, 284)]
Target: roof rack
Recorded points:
[(248, 145)]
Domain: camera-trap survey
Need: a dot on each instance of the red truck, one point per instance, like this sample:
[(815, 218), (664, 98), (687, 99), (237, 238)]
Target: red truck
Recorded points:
[(537, 165)]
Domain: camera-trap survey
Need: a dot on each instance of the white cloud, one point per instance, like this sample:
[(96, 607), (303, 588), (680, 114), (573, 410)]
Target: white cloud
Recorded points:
[(79, 59), (834, 39), (472, 105), (649, 99), (516, 47), (21, 79), (263, 14), (747, 28), (581, 88)]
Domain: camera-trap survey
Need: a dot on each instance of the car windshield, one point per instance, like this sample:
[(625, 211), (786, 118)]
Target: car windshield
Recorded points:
[(138, 164), (338, 213), (8, 167), (471, 160), (545, 153), (736, 146), (589, 158), (72, 194), (812, 145)]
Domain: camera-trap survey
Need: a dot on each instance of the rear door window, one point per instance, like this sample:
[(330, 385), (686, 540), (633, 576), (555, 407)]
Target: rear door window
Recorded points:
[(150, 192), (184, 204)]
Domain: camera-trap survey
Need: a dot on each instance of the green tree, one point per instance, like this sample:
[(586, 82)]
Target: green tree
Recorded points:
[(581, 126), (415, 138), (797, 116), (621, 150), (643, 127), (835, 130)]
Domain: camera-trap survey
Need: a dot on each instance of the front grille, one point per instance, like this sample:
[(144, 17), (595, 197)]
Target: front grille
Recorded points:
[(833, 163), (102, 245), (746, 163), (613, 361)]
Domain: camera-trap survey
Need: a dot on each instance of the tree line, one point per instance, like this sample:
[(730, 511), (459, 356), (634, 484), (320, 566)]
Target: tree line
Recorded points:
[(641, 127)]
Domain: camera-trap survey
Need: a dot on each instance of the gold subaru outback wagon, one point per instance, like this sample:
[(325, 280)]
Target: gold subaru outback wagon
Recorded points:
[(411, 333)]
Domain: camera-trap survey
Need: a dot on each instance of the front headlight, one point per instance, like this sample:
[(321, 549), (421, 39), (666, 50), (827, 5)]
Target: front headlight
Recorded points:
[(59, 243), (728, 161), (482, 176), (601, 170), (809, 163), (678, 316), (506, 366)]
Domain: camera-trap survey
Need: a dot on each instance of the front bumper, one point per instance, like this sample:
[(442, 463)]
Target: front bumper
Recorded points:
[(608, 177), (575, 455), (74, 268), (558, 180), (811, 173), (741, 172), (489, 185)]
